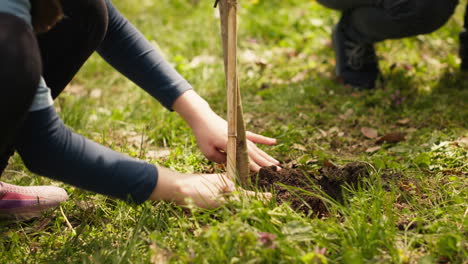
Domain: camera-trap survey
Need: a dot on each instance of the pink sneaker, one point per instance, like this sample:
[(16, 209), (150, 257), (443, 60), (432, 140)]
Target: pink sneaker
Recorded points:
[(24, 203)]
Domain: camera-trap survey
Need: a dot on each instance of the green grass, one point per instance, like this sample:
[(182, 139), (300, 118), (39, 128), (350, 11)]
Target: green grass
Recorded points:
[(289, 92)]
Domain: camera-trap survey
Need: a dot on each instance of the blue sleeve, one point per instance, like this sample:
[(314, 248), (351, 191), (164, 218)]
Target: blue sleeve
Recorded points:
[(128, 51), (19, 8), (50, 149)]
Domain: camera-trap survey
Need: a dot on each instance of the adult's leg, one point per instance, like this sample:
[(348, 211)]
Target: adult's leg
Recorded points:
[(362, 24), (464, 43), (396, 19), (67, 46), (344, 5), (20, 69)]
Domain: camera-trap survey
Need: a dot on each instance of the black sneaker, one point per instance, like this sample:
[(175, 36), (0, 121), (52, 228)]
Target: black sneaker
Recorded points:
[(356, 63)]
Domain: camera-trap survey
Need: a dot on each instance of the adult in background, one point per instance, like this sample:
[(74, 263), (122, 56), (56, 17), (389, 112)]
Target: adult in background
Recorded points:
[(464, 44), (365, 22), (35, 69)]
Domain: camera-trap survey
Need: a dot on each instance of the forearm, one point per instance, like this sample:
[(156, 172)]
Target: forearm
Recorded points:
[(128, 51), (193, 108), (49, 148)]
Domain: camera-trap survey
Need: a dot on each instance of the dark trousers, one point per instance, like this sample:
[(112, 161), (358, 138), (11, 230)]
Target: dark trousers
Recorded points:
[(464, 43), (369, 21), (57, 55), (20, 70)]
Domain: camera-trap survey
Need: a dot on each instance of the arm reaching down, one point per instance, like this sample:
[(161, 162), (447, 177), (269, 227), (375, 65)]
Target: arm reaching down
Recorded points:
[(51, 149)]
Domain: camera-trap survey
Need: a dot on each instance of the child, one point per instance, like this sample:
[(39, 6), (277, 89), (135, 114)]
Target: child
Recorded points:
[(49, 148)]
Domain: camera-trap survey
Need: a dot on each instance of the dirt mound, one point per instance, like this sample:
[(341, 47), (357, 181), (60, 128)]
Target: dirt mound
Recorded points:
[(300, 189)]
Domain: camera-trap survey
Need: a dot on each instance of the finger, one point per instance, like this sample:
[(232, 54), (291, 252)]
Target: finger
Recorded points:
[(224, 184), (229, 187), (261, 158), (240, 192), (216, 156), (254, 167), (256, 138), (264, 155), (259, 195)]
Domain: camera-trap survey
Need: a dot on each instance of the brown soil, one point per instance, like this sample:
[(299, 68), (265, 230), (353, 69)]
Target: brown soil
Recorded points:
[(300, 190)]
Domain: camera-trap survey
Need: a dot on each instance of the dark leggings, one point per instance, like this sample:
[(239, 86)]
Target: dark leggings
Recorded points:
[(45, 144), (20, 70), (67, 46), (371, 21)]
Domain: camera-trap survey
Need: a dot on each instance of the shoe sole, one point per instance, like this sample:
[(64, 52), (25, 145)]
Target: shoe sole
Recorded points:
[(24, 214)]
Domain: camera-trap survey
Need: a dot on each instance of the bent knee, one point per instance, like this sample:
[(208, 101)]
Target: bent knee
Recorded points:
[(436, 13), (421, 17), (91, 15), (334, 4)]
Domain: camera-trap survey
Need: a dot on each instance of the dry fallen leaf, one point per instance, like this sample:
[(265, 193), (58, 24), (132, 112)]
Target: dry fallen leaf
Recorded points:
[(403, 121), (373, 149), (333, 130), (291, 165), (95, 93), (323, 133), (347, 114), (462, 142), (248, 117), (393, 137), (75, 89), (369, 132), (202, 60), (299, 147), (328, 164), (158, 153), (159, 255)]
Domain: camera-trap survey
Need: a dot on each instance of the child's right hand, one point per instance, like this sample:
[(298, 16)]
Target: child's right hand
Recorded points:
[(203, 190)]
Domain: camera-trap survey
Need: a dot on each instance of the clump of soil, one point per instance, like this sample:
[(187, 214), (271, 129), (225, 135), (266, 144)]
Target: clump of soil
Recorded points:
[(300, 190)]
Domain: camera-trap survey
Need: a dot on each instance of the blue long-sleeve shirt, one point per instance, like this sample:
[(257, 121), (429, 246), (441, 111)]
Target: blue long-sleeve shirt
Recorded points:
[(127, 50)]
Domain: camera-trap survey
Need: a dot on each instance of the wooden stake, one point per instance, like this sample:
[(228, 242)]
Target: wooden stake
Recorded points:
[(237, 157)]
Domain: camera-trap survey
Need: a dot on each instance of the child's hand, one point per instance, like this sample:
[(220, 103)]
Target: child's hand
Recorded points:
[(204, 190), (212, 139), (211, 132)]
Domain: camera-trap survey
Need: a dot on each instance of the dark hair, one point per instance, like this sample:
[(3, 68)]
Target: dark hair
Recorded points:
[(45, 14)]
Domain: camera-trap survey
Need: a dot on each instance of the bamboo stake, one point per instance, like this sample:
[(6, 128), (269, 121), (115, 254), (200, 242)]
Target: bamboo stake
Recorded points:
[(237, 158)]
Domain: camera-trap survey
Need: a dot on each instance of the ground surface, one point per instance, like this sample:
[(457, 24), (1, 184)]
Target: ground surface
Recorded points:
[(409, 203)]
